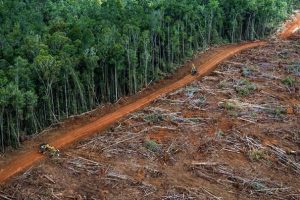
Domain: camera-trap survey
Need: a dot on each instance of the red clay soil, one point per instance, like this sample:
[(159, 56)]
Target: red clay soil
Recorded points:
[(291, 27), (26, 160)]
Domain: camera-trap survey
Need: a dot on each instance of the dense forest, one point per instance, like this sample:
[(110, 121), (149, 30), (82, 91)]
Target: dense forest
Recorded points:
[(64, 57)]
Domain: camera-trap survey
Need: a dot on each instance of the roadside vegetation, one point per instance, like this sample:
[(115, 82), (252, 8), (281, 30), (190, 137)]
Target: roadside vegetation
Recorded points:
[(60, 58)]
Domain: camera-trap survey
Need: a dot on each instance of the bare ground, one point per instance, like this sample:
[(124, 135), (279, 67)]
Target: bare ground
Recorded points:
[(232, 135)]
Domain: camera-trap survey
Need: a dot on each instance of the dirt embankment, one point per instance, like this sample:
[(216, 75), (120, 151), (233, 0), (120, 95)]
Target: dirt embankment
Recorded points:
[(291, 27)]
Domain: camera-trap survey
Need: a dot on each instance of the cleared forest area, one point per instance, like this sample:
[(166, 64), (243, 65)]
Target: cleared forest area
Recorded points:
[(155, 134), (232, 135)]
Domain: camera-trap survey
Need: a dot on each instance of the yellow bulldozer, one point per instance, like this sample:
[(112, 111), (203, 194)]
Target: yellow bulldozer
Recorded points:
[(193, 70), (52, 151)]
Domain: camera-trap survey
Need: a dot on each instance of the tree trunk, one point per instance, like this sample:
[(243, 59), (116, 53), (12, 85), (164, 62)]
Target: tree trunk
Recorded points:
[(1, 128), (116, 83)]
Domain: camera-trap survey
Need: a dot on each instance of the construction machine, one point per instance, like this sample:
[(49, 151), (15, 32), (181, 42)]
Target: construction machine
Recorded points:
[(194, 70), (47, 148)]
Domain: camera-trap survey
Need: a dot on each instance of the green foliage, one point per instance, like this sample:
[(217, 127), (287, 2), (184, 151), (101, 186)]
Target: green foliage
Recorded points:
[(152, 146), (244, 87), (60, 58), (246, 71), (294, 69), (277, 111), (220, 134), (154, 118), (289, 81), (228, 106), (223, 84), (257, 185), (256, 154)]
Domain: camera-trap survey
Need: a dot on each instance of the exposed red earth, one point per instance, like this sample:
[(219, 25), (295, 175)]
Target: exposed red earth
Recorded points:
[(291, 27)]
